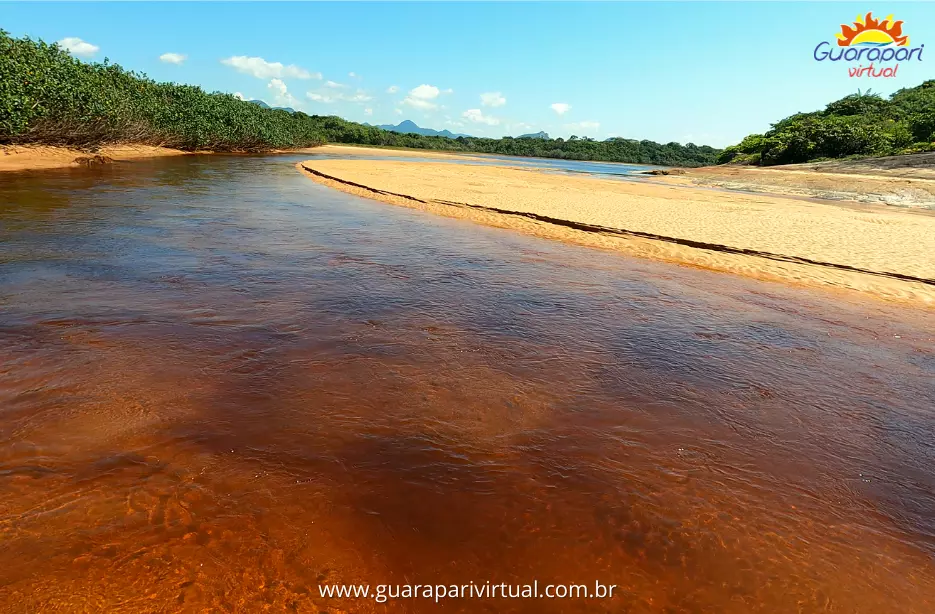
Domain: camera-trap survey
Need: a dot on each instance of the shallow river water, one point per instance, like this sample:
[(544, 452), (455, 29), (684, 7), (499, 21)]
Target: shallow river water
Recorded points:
[(223, 386)]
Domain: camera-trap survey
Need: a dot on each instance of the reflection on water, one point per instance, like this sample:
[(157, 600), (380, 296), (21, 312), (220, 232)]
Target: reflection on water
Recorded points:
[(222, 384)]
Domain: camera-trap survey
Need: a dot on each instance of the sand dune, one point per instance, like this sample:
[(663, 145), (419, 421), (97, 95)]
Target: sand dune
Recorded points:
[(884, 251)]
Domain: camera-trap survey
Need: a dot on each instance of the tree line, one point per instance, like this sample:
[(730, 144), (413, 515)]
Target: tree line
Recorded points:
[(859, 125), (340, 130), (49, 97)]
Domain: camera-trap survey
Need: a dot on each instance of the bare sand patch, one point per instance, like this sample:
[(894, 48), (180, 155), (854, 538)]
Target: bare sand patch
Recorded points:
[(29, 157), (362, 150), (887, 252)]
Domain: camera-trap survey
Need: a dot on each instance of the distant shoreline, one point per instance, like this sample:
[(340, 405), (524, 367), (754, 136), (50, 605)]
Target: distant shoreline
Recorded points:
[(345, 148), (41, 157), (445, 153), (883, 252)]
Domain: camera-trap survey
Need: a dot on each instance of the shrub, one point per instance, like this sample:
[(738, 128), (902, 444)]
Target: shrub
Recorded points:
[(858, 125), (48, 97)]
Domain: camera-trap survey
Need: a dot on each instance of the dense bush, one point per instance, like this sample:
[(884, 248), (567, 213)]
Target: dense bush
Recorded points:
[(857, 125), (49, 97)]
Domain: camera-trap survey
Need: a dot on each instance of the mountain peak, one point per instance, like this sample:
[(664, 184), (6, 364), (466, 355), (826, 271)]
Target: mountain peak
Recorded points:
[(410, 127)]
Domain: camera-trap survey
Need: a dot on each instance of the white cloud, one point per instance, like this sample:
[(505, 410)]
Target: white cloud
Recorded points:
[(359, 96), (583, 126), (320, 98), (239, 96), (392, 89), (448, 91), (475, 115), (421, 97), (492, 99), (172, 58), (418, 103), (398, 111), (281, 94), (76, 46), (368, 111), (352, 75), (424, 92), (334, 84), (261, 69), (330, 96), (456, 124), (278, 87), (560, 107)]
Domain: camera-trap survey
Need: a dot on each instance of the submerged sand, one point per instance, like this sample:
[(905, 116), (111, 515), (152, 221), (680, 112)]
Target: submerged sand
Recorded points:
[(884, 251), (41, 157)]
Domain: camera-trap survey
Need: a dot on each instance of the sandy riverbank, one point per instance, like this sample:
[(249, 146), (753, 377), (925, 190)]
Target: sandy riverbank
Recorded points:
[(905, 181), (22, 157), (876, 250), (29, 157)]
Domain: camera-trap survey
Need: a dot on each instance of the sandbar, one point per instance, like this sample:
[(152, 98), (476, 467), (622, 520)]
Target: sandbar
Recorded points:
[(39, 157), (886, 252)]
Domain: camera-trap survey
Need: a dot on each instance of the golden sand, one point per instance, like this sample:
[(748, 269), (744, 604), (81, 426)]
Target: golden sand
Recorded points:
[(381, 151), (39, 157), (884, 251), (21, 158)]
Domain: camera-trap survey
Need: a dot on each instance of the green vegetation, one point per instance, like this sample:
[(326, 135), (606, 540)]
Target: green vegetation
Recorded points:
[(859, 125), (338, 130), (48, 97)]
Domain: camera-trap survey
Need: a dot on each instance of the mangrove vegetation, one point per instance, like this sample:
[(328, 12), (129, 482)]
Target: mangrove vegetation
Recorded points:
[(859, 125), (49, 97)]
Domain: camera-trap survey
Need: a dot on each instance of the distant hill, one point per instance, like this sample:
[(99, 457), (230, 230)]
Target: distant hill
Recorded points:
[(410, 127), (535, 135), (266, 106)]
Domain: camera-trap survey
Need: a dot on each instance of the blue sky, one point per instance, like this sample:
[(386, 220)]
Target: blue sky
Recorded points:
[(709, 73)]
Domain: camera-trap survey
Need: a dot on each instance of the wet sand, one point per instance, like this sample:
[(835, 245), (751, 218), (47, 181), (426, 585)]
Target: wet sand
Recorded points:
[(40, 157), (28, 157), (222, 385), (885, 252)]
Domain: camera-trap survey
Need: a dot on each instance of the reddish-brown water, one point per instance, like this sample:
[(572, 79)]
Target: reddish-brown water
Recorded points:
[(222, 385)]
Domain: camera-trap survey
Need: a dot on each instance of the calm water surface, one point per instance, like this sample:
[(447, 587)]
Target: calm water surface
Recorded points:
[(222, 385)]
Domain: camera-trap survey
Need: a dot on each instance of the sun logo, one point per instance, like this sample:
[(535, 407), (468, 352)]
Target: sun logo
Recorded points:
[(870, 32)]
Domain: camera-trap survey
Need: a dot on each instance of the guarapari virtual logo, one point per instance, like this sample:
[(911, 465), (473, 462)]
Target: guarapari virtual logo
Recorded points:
[(876, 46)]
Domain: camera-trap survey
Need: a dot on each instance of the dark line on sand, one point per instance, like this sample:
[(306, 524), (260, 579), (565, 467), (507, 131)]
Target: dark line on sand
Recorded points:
[(714, 247)]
